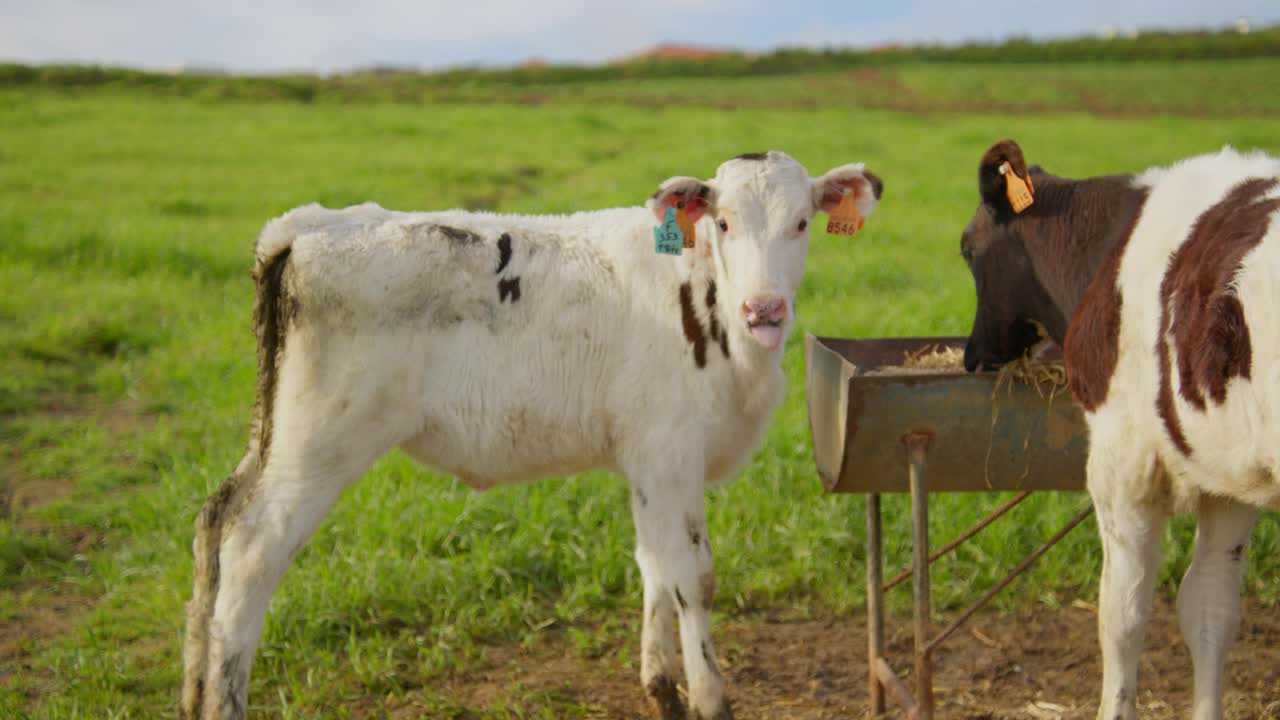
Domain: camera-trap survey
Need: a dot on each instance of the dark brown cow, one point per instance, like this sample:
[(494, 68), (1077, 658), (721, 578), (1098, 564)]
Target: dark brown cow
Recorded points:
[(1161, 288)]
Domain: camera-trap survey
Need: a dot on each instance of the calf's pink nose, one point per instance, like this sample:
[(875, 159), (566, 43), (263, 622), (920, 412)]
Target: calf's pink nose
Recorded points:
[(765, 309)]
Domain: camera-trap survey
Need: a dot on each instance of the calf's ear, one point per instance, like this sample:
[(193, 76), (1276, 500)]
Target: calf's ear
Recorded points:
[(992, 182), (698, 196), (855, 178)]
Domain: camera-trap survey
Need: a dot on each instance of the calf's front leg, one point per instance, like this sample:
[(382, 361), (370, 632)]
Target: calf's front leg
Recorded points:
[(674, 555), (1130, 530)]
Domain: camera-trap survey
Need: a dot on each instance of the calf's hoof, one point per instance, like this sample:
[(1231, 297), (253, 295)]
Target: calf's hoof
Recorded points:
[(665, 698), (724, 713)]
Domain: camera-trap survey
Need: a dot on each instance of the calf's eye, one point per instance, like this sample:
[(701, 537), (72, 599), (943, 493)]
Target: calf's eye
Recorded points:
[(724, 226), (803, 224), (967, 254)]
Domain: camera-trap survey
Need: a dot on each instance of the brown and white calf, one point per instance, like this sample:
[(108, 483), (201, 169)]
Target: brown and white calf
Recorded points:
[(505, 348), (1162, 288)]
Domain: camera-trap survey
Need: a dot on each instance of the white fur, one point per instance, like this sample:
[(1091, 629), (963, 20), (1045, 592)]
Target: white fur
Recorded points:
[(1137, 476), (401, 339)]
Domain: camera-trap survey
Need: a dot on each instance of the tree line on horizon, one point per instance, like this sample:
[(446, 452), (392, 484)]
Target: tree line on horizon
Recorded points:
[(404, 83)]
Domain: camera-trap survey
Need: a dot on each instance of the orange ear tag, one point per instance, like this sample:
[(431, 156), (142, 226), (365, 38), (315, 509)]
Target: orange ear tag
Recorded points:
[(1021, 192), (845, 218), (686, 225)]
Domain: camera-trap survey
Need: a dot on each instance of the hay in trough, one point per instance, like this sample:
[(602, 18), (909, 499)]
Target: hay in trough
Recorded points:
[(934, 357), (1046, 378)]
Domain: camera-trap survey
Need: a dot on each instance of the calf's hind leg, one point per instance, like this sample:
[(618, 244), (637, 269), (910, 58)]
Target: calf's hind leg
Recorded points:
[(247, 535), (1209, 597)]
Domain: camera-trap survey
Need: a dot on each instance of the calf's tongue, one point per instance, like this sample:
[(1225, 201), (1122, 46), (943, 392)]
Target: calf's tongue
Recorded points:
[(769, 336)]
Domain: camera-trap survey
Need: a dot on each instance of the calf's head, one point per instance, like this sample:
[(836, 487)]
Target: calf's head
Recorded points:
[(763, 205), (1013, 305)]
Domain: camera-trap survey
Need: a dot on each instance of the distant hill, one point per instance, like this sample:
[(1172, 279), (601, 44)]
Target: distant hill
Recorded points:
[(676, 52), (537, 80)]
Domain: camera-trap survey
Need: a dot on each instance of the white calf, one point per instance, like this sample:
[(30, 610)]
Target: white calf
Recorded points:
[(506, 348), (1162, 288)]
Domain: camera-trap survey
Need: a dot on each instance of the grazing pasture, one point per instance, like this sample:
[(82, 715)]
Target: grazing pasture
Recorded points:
[(127, 370)]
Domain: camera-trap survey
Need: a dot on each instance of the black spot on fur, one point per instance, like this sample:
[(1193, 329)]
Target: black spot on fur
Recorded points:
[(681, 601), (752, 156), (695, 535), (877, 185), (1237, 553), (232, 678), (706, 656), (504, 252), (509, 288), (457, 235), (642, 498), (716, 332)]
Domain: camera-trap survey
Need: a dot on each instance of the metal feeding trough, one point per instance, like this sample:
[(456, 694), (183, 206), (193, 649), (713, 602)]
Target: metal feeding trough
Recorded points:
[(876, 427)]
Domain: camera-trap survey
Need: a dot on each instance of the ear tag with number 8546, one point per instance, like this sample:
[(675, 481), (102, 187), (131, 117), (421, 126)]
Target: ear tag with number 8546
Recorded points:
[(845, 218)]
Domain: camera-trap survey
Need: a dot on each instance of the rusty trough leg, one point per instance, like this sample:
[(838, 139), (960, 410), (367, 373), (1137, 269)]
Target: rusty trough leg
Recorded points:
[(917, 443), (900, 693), (875, 605)]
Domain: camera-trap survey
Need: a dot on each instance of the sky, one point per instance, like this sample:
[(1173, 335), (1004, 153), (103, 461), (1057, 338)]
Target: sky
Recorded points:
[(333, 36)]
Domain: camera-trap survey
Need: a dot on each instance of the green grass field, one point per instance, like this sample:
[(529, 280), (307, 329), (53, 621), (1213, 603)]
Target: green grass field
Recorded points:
[(127, 368)]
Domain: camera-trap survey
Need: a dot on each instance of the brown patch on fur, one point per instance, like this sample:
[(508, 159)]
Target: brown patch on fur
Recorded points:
[(1091, 347), (716, 332), (1210, 335), (273, 309), (752, 156), (458, 235), (1164, 398), (692, 327), (664, 695)]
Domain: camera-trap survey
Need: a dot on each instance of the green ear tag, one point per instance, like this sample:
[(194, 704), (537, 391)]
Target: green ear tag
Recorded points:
[(667, 237)]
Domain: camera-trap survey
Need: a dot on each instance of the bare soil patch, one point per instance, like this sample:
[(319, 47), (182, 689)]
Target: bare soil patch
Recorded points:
[(1034, 663), (40, 608)]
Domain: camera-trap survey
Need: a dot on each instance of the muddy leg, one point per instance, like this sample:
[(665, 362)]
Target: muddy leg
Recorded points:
[(674, 554)]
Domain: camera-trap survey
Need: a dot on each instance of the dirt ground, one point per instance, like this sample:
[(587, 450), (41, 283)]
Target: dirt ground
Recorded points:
[(1038, 664)]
